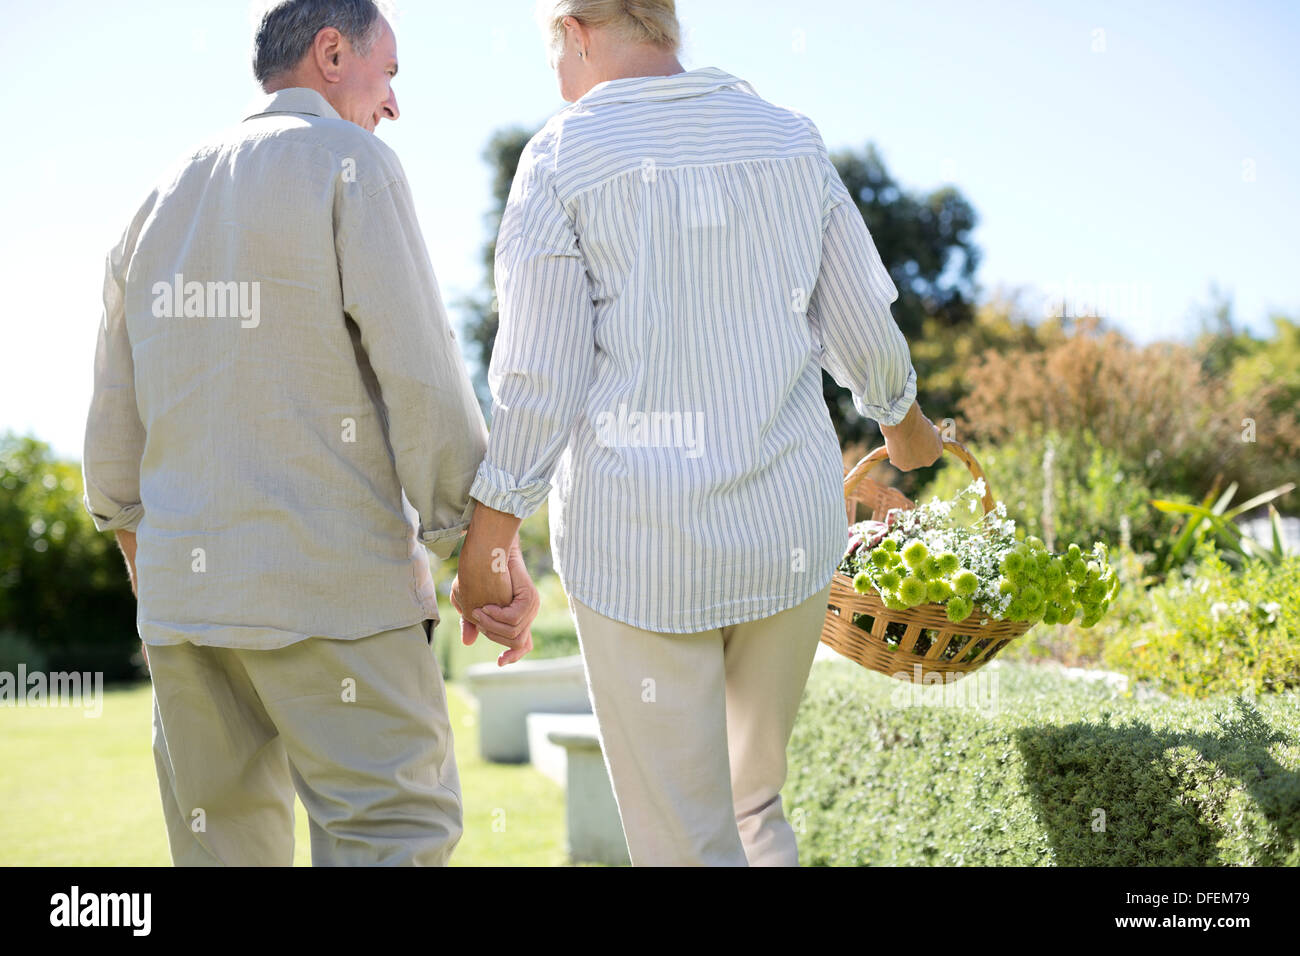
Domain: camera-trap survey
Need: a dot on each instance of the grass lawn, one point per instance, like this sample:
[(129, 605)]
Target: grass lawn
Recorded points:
[(78, 791)]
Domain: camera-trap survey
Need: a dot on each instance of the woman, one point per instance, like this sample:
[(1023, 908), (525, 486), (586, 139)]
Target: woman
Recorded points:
[(677, 262)]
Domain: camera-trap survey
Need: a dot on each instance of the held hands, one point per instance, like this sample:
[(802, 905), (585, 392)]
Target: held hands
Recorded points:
[(492, 592), (914, 442)]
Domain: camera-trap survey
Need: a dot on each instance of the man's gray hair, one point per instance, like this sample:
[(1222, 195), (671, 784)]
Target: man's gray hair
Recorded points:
[(289, 28)]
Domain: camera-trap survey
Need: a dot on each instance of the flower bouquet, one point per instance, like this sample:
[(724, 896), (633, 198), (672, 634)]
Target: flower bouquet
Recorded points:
[(940, 587)]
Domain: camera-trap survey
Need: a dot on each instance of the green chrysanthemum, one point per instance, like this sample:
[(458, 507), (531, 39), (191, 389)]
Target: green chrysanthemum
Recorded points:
[(861, 582), (948, 563), (938, 591), (890, 580), (915, 554), (958, 609), (965, 583), (880, 558), (912, 591)]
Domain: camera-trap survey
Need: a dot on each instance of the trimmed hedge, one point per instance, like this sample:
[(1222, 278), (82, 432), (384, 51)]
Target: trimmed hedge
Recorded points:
[(874, 781)]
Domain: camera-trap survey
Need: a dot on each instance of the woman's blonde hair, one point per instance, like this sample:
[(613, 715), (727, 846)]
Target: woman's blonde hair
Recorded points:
[(638, 21)]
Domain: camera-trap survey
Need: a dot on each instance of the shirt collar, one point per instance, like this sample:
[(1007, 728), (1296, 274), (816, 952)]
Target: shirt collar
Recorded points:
[(679, 85), (295, 99)]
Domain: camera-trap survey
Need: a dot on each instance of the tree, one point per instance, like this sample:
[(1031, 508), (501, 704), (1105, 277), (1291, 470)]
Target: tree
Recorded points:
[(64, 591), (502, 156)]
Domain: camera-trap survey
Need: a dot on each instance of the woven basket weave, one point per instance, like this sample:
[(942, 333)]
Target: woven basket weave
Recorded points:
[(920, 641)]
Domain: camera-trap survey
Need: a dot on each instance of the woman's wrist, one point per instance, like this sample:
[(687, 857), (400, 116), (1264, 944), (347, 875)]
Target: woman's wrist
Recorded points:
[(492, 528), (908, 425)]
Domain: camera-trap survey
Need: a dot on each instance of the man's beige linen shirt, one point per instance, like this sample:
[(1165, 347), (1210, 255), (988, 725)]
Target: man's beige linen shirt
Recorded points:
[(275, 378)]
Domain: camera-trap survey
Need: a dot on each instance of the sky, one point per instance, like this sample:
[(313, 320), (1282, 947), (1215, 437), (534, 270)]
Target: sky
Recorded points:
[(1124, 155)]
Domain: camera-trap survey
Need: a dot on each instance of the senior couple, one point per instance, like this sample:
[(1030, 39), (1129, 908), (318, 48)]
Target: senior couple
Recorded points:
[(673, 244)]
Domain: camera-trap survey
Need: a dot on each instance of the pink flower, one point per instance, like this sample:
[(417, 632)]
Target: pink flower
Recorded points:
[(868, 533)]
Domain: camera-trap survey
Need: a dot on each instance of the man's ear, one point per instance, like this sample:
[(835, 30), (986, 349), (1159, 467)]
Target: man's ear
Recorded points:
[(327, 51)]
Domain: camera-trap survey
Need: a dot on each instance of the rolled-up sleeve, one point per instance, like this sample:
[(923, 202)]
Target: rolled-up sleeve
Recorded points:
[(544, 353), (435, 426), (114, 440), (860, 344)]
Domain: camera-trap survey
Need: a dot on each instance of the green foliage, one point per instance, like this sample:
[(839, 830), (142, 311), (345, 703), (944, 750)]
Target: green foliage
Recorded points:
[(1181, 783), (1215, 516), (63, 585), (1093, 492), (1214, 630), (1271, 366), (16, 649), (1267, 368)]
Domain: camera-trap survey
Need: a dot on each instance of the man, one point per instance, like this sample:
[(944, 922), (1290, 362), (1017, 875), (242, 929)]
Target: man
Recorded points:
[(279, 399)]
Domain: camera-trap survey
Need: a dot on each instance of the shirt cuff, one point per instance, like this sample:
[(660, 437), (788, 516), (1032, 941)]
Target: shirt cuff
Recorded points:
[(501, 491), (127, 519), (895, 411), (442, 542)]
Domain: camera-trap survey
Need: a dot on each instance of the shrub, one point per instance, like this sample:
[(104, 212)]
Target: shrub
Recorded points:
[(1093, 493), (1212, 631), (16, 649), (1180, 783), (1153, 406)]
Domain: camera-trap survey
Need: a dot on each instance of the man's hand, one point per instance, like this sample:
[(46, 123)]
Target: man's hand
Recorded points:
[(126, 541), (914, 442), (509, 626)]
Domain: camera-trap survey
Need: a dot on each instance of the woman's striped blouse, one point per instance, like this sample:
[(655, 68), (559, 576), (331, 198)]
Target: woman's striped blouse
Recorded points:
[(677, 261)]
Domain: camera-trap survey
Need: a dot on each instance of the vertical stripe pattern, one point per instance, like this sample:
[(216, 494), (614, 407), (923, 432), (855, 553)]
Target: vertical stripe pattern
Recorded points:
[(677, 261)]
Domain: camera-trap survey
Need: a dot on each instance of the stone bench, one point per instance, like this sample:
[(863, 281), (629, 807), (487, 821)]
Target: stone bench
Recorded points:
[(595, 833), (507, 695)]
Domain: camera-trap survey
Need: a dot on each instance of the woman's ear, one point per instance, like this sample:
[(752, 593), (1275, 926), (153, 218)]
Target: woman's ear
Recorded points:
[(578, 34)]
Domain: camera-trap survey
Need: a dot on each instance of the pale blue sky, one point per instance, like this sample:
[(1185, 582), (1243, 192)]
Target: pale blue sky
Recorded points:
[(1150, 158)]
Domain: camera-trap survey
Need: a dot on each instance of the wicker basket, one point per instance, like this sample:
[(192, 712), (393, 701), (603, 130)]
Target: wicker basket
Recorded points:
[(920, 641)]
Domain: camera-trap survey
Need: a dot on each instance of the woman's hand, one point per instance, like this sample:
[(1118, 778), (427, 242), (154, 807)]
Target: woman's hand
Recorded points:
[(914, 442)]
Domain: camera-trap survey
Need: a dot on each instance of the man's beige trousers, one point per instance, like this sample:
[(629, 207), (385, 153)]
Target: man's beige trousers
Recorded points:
[(694, 728), (358, 728)]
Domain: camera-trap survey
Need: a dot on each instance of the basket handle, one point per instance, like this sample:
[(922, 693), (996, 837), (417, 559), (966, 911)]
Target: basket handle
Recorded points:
[(950, 445)]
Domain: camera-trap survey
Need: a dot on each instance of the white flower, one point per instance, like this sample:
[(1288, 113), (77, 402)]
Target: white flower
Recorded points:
[(1217, 610)]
